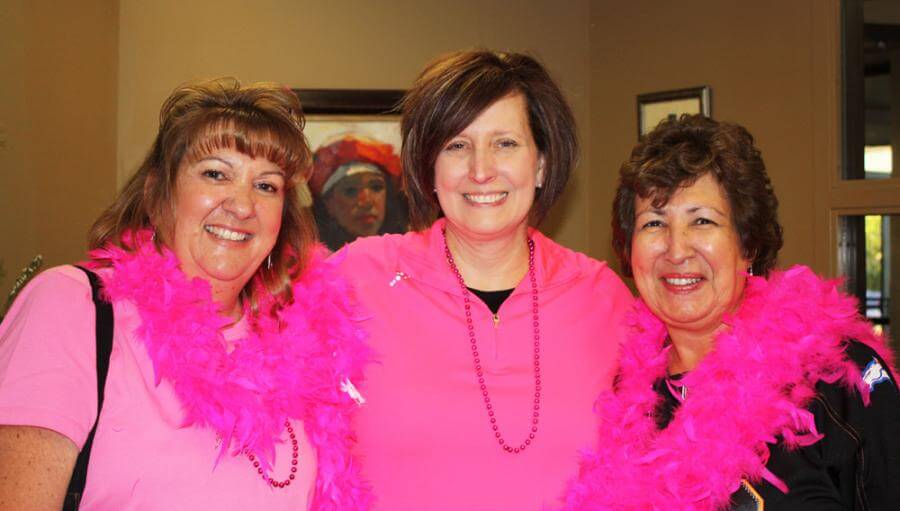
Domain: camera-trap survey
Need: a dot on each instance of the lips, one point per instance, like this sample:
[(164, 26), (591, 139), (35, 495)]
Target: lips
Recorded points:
[(682, 283), (224, 233), (367, 219), (486, 199)]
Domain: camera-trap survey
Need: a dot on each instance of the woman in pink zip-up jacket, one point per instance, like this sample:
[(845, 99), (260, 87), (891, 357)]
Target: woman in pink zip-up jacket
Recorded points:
[(493, 339)]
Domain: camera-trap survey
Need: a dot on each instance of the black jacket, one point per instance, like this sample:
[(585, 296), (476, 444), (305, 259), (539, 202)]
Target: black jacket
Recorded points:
[(856, 466)]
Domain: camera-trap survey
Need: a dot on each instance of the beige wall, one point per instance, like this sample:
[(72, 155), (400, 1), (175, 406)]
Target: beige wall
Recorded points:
[(80, 110), (57, 127), (763, 61), (339, 44)]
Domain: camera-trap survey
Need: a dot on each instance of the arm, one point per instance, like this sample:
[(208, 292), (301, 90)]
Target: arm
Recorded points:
[(47, 388), (879, 428), (35, 467)]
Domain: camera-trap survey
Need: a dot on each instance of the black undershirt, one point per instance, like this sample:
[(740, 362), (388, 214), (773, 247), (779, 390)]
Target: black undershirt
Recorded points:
[(493, 299)]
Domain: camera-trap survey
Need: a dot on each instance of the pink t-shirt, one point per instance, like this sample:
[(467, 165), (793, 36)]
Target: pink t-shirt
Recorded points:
[(141, 457), (424, 437)]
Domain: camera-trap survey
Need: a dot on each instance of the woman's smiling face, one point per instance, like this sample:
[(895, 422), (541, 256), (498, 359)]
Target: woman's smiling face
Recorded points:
[(687, 259), (485, 176), (228, 210)]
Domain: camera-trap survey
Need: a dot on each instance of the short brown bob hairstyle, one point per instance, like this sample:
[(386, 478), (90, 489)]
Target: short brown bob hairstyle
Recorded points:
[(680, 151), (449, 95), (260, 120)]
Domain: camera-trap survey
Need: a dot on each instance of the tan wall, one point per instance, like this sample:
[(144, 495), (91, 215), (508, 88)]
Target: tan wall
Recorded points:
[(339, 44), (57, 127), (81, 110), (763, 60)]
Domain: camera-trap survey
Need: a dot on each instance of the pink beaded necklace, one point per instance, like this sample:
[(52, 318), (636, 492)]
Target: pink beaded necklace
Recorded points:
[(479, 373), (295, 450)]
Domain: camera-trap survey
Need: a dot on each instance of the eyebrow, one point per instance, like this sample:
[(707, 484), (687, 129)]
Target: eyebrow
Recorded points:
[(216, 158), (278, 172), (698, 208), (661, 211)]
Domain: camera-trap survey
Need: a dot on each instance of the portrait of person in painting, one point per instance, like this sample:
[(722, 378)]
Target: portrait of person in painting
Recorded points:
[(741, 387), (493, 340), (356, 190), (202, 356)]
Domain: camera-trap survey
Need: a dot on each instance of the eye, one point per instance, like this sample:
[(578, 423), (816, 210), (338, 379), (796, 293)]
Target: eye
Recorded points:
[(652, 223), (704, 221), (267, 187), (215, 175), (376, 186), (455, 145), (507, 143), (350, 192)]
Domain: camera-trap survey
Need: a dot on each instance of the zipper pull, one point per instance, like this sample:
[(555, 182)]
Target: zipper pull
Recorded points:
[(496, 320)]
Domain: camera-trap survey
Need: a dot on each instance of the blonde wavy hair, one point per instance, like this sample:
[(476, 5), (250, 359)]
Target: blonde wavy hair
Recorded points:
[(259, 120)]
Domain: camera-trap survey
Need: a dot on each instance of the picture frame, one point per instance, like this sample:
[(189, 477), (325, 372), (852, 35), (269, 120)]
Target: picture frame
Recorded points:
[(654, 107), (355, 182)]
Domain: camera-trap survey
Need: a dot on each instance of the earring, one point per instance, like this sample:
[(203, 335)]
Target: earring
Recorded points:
[(269, 261), (750, 270)]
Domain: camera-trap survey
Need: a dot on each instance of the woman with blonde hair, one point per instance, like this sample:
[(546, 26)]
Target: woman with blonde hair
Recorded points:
[(202, 357)]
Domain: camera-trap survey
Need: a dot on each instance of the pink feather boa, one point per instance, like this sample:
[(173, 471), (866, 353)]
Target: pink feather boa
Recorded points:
[(291, 366), (750, 391)]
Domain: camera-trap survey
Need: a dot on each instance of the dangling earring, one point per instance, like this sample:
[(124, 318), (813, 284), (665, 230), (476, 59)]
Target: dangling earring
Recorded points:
[(269, 261), (750, 270)]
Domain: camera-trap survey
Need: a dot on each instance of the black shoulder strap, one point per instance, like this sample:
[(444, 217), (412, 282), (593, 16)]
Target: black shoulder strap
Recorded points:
[(104, 338)]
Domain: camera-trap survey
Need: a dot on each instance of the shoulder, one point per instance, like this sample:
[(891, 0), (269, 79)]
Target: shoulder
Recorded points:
[(562, 262), (867, 390), (874, 371), (47, 357), (372, 253), (59, 287)]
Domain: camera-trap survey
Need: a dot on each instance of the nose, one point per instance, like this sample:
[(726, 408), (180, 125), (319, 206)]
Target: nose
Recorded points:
[(679, 247), (481, 166), (364, 197), (240, 202)]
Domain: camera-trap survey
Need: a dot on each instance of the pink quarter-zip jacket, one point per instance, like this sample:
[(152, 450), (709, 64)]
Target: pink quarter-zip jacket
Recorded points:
[(425, 438)]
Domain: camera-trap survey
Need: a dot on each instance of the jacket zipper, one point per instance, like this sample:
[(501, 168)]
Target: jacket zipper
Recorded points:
[(860, 455)]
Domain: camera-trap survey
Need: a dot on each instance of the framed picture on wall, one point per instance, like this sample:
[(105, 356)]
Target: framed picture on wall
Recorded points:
[(355, 183), (655, 107)]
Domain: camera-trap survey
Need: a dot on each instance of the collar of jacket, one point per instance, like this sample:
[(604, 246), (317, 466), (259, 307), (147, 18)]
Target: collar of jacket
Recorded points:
[(423, 260)]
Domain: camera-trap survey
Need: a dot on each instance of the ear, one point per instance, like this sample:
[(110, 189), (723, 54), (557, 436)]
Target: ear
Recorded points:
[(539, 178)]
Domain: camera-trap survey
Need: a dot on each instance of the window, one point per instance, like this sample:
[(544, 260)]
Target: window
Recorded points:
[(864, 199)]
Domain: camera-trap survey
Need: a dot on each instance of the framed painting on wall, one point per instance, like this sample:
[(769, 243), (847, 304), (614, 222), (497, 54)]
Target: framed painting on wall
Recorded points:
[(655, 107), (355, 183)]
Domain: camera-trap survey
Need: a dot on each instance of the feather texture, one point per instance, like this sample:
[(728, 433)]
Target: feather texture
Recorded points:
[(288, 366), (789, 332)]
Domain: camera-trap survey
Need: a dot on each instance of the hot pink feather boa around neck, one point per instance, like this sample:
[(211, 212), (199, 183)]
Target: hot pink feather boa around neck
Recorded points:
[(292, 366), (750, 391)]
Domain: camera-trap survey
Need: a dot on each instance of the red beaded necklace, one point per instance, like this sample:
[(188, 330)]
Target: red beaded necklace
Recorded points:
[(479, 373)]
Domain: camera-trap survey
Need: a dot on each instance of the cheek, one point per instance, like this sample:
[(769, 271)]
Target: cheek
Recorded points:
[(644, 250), (380, 199), (336, 205), (273, 216)]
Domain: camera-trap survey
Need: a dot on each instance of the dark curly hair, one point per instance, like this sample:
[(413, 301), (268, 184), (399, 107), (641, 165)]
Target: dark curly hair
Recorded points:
[(674, 156)]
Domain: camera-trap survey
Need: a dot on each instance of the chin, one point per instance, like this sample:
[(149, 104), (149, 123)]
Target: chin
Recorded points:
[(231, 274)]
